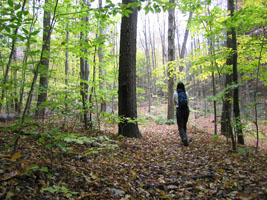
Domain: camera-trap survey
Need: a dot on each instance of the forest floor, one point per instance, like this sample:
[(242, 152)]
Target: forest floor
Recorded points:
[(69, 163)]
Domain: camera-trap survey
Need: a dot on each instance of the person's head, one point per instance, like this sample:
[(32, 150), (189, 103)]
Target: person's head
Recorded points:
[(180, 87)]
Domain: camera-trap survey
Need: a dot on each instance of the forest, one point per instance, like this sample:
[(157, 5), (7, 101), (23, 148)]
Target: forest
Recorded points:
[(87, 99)]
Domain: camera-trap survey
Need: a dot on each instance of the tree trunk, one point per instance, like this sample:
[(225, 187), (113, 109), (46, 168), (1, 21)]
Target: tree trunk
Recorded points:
[(101, 68), (66, 65), (186, 34), (171, 57), (148, 65), (127, 75), (162, 39), (44, 66), (238, 124), (10, 59), (226, 127), (211, 48), (84, 69), (153, 57)]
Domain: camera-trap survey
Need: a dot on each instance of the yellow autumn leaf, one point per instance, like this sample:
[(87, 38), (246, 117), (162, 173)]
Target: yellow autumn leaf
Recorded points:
[(16, 156), (9, 195)]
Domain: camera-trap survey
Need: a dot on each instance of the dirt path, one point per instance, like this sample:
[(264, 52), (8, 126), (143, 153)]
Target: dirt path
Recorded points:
[(155, 167)]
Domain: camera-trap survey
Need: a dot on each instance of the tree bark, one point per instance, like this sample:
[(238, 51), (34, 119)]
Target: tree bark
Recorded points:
[(171, 57), (44, 65), (162, 39), (148, 64), (186, 34), (226, 127), (238, 124), (127, 75), (101, 68), (153, 58), (84, 69), (66, 65)]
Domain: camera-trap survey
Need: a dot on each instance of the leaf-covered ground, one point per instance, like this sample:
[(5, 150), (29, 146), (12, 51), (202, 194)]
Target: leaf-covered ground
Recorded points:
[(53, 165)]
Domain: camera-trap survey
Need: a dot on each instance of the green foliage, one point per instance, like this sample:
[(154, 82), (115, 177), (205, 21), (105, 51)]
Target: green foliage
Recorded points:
[(244, 150), (59, 189), (163, 120), (215, 138)]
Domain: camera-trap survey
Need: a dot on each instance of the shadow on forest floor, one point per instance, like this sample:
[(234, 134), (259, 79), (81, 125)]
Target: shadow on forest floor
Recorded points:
[(104, 166)]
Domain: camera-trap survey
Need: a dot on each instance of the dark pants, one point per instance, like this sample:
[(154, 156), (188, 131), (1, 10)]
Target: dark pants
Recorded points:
[(182, 115)]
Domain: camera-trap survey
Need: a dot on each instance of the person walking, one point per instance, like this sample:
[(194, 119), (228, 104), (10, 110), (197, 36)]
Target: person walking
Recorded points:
[(182, 111)]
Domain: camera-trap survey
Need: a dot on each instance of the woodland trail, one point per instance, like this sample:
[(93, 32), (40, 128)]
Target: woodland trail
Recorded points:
[(155, 167)]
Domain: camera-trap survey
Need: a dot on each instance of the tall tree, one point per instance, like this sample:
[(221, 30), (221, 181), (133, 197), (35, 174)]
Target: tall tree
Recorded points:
[(146, 47), (84, 65), (186, 34), (100, 57), (44, 65), (162, 39), (171, 58), (238, 124), (127, 74), (226, 127), (67, 63)]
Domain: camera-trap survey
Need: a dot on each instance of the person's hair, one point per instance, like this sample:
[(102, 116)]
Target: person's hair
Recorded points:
[(180, 87)]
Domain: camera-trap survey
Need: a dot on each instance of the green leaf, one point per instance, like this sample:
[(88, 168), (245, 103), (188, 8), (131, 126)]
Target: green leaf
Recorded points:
[(49, 189), (41, 140), (17, 6), (49, 146), (7, 29), (35, 32), (10, 3), (25, 31), (34, 167), (44, 169)]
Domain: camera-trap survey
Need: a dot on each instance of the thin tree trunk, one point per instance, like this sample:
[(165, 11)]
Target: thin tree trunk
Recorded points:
[(66, 66), (114, 52), (101, 68), (162, 39), (16, 101), (210, 43), (182, 54), (153, 57), (10, 59), (148, 65), (255, 95)]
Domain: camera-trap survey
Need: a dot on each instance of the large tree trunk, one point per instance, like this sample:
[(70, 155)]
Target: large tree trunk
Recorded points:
[(44, 65), (127, 75), (226, 127), (238, 124), (171, 57)]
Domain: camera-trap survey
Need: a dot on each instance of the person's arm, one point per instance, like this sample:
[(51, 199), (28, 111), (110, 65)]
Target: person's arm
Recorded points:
[(175, 98)]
